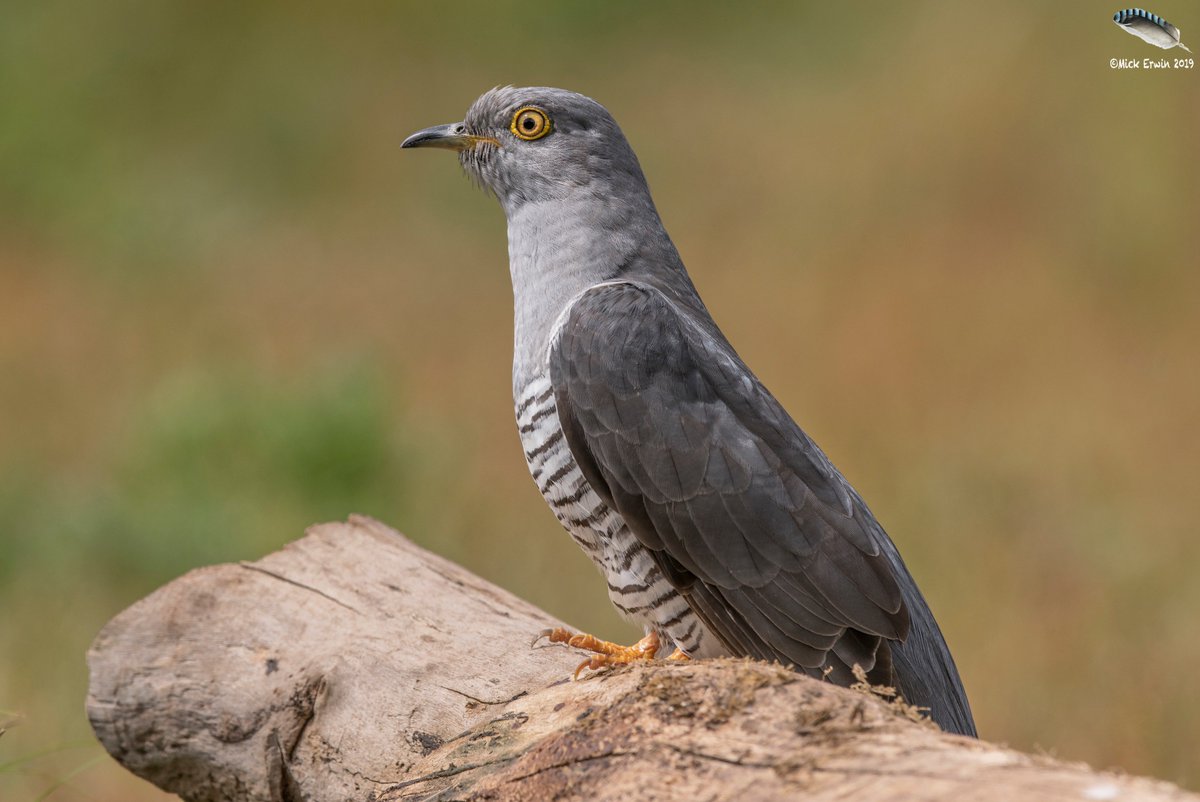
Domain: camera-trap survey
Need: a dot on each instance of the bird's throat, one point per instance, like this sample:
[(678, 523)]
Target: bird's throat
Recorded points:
[(556, 251)]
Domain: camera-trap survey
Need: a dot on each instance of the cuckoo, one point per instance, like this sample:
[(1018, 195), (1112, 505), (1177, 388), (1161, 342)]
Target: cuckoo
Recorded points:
[(719, 525)]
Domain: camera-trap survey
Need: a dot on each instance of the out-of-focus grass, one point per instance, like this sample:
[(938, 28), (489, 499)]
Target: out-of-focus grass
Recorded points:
[(958, 246), (209, 468)]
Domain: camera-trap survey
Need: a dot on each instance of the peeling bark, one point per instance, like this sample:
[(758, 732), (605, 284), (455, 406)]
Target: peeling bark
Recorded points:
[(353, 665)]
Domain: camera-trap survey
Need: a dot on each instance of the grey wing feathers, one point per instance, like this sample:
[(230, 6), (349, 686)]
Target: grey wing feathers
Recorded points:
[(744, 514), (696, 455)]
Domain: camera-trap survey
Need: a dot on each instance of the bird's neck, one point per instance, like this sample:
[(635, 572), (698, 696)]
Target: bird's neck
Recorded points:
[(558, 249)]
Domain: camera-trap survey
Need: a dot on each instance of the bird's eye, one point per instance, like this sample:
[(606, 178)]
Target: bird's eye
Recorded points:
[(530, 123)]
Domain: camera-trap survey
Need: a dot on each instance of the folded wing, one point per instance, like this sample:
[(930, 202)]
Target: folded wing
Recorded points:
[(742, 511)]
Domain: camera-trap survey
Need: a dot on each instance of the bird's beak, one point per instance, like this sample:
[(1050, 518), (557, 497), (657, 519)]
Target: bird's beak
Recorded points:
[(452, 136)]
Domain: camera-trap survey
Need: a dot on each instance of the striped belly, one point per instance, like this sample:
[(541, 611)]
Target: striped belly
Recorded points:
[(636, 586)]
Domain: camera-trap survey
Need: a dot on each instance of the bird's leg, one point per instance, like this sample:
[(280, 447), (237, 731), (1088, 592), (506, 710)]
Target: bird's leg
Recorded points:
[(678, 654), (606, 653)]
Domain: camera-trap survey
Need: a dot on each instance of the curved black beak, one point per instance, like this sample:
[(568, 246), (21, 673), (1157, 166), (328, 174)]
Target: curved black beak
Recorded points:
[(452, 136)]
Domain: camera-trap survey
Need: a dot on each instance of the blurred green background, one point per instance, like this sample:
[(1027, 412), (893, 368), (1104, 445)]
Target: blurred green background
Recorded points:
[(959, 247)]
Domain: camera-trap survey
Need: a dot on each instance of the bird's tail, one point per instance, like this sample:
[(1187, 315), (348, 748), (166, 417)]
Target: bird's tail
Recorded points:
[(923, 670), (925, 673)]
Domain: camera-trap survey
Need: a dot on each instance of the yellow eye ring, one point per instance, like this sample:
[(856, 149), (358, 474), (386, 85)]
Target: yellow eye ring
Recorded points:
[(530, 123)]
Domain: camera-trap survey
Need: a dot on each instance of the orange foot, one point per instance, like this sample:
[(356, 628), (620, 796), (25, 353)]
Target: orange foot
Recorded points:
[(606, 654)]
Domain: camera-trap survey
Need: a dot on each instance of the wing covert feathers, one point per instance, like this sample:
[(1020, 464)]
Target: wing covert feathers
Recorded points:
[(747, 516)]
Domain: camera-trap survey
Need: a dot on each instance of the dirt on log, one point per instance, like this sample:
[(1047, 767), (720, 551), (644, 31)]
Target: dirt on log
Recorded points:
[(354, 665)]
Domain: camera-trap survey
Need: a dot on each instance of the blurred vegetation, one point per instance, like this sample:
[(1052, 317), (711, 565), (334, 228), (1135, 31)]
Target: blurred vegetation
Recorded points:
[(958, 246)]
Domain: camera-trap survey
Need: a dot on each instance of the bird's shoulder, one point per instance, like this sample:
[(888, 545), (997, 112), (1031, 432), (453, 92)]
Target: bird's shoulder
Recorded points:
[(640, 315), (650, 348)]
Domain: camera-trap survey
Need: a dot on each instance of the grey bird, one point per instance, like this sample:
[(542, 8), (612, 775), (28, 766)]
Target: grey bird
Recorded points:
[(719, 525)]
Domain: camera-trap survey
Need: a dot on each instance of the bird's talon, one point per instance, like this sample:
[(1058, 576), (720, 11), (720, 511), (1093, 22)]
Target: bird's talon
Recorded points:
[(545, 633), (592, 663), (606, 653), (553, 634)]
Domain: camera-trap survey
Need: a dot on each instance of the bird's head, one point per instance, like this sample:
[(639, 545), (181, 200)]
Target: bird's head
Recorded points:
[(539, 144)]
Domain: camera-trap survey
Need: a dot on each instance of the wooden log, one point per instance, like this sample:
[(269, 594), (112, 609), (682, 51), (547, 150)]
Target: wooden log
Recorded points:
[(354, 665)]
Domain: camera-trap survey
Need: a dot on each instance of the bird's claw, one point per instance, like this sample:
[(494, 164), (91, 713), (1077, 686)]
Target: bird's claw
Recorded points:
[(606, 653), (545, 633)]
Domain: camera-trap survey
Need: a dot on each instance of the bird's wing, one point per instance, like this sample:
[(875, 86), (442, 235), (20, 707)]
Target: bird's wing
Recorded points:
[(742, 511)]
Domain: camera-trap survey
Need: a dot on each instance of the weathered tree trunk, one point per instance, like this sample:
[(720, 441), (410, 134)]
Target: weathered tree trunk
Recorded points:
[(353, 665)]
